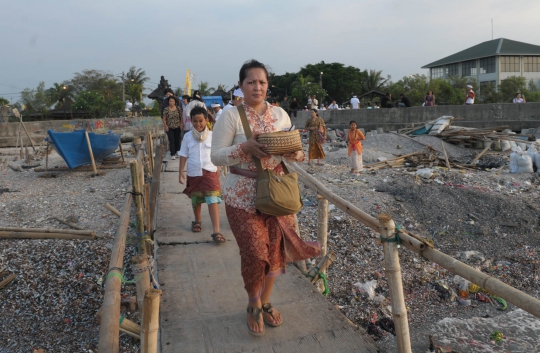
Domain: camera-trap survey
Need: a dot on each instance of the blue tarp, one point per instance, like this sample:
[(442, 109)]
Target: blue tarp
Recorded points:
[(208, 100)]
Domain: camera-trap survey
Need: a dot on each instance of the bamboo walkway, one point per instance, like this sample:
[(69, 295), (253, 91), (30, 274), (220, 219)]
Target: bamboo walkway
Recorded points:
[(203, 307)]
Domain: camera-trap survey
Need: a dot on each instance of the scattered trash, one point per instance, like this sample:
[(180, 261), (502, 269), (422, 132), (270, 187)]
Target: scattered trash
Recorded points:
[(425, 173), (497, 336), (367, 289)]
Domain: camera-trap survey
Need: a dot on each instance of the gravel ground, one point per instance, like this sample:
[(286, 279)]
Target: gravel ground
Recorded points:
[(53, 301), (488, 219)]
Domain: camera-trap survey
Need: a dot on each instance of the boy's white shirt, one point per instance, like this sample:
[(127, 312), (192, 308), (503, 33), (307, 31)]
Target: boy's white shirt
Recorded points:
[(197, 154)]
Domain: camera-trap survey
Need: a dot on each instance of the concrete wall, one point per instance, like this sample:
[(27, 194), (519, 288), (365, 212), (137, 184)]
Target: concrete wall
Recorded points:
[(129, 127), (518, 116)]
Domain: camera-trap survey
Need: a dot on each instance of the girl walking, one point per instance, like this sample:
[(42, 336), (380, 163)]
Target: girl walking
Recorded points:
[(202, 184), (354, 138)]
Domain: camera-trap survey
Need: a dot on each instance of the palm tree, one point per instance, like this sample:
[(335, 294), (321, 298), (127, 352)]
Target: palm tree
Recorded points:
[(302, 86), (205, 90), (59, 93), (222, 87), (133, 94), (136, 76), (375, 81)]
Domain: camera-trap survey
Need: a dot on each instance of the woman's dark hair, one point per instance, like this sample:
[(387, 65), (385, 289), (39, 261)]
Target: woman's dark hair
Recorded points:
[(173, 98), (197, 111), (518, 93), (197, 96), (251, 64), (353, 122), (316, 111), (168, 90)]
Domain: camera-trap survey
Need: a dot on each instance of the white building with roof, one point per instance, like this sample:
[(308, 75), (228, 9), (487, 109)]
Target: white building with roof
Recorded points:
[(491, 62)]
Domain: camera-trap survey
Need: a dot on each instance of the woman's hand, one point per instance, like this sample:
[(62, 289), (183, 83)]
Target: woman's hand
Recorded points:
[(182, 177), (166, 128), (253, 147)]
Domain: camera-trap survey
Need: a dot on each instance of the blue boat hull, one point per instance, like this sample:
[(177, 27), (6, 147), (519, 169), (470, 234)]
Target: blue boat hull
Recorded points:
[(73, 148)]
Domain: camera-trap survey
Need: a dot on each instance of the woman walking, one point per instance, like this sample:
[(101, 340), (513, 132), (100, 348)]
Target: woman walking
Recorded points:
[(354, 138), (172, 121), (266, 242), (317, 135)]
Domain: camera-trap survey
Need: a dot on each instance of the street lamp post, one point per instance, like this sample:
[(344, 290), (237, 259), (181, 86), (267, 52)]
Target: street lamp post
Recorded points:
[(64, 101), (320, 80), (284, 90)]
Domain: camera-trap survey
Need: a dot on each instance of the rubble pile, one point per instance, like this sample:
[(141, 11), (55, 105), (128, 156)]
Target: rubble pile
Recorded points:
[(484, 216)]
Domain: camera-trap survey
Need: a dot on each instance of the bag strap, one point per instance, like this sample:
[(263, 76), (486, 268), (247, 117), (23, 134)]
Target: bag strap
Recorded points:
[(247, 131)]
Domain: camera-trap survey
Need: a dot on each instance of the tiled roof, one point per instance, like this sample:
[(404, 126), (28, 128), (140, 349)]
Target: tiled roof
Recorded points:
[(501, 46)]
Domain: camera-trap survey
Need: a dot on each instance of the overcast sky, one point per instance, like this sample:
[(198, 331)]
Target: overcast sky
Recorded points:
[(51, 40)]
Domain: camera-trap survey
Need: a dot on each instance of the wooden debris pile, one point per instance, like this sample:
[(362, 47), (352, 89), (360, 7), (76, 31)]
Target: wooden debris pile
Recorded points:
[(467, 137), (427, 158)]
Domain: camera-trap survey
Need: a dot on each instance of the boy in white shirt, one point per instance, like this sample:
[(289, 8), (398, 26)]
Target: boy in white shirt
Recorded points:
[(202, 184)]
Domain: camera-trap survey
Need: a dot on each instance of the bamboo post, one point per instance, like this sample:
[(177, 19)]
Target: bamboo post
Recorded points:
[(142, 278), (79, 169), (122, 152), (127, 326), (135, 183), (150, 150), (136, 144), (147, 208), (112, 209), (47, 157), (27, 134), (72, 225), (393, 272), (45, 233), (481, 153), (445, 155), (5, 282), (150, 323), (91, 153), (110, 322), (154, 185), (321, 266), (322, 227)]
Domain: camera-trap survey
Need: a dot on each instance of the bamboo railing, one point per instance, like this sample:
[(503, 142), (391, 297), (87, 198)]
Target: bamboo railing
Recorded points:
[(385, 226), (110, 328)]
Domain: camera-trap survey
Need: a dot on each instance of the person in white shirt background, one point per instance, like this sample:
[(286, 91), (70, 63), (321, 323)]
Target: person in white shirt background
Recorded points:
[(355, 102), (217, 110), (202, 183), (333, 105), (314, 102), (238, 98), (519, 98)]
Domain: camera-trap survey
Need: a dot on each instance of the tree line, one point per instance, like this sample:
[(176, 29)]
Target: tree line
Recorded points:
[(98, 94), (338, 82)]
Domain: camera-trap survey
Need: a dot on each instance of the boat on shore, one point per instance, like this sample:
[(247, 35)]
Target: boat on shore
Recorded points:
[(73, 148)]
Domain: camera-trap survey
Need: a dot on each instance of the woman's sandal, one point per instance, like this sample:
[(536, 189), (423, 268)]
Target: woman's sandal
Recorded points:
[(218, 238), (267, 308), (196, 226), (256, 314)]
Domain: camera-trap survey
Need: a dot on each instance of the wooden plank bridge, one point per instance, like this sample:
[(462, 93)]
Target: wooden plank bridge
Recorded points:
[(203, 307)]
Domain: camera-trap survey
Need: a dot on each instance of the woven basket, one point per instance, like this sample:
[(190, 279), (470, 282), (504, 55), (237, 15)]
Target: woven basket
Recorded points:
[(281, 142)]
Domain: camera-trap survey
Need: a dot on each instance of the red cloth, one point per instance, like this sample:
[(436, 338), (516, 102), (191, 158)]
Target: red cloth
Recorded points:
[(205, 185), (266, 243)]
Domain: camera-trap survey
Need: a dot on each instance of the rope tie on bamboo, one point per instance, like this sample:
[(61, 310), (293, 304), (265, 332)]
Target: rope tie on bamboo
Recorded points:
[(325, 283), (116, 274), (393, 239), (122, 317)]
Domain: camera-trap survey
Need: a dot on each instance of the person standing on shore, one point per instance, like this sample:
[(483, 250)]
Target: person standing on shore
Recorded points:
[(429, 100), (355, 102), (469, 96), (519, 99), (354, 138), (317, 135), (285, 104), (293, 107)]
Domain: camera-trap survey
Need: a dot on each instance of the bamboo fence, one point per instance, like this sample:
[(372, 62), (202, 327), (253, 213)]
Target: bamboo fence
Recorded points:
[(111, 325), (384, 225)]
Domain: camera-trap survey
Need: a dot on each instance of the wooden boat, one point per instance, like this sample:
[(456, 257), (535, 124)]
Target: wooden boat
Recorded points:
[(73, 148)]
